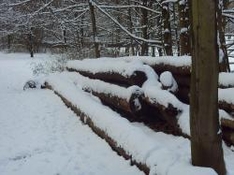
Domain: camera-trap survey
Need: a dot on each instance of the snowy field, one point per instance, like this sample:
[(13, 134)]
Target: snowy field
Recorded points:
[(40, 136)]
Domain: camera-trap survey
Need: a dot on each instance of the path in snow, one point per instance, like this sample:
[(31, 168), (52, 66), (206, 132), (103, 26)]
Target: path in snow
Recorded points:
[(39, 135)]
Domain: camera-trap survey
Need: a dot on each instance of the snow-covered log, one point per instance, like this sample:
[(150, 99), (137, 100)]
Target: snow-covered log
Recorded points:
[(228, 136), (137, 78), (168, 82), (131, 105), (229, 107), (226, 80), (167, 115), (226, 123), (181, 70), (226, 99), (118, 97), (183, 94), (121, 73)]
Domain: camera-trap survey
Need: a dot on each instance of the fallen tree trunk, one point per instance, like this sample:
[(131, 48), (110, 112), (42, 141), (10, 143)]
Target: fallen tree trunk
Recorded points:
[(228, 107), (183, 94), (228, 136), (226, 80), (226, 123), (180, 70), (124, 99), (131, 104), (136, 78), (182, 80), (167, 114)]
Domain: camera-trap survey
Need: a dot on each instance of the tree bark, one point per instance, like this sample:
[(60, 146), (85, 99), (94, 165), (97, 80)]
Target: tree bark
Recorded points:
[(166, 28), (9, 39), (94, 30), (136, 78), (206, 143), (144, 23), (30, 38), (184, 27), (224, 62)]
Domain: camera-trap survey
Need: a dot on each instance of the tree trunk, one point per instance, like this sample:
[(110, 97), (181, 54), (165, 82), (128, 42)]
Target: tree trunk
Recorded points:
[(175, 18), (94, 30), (184, 27), (166, 28), (9, 42), (144, 23), (64, 36), (30, 38), (206, 143), (223, 56), (131, 47)]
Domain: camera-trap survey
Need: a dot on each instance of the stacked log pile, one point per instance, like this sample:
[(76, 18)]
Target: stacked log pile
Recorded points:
[(111, 75), (157, 116), (136, 104), (133, 94), (181, 72)]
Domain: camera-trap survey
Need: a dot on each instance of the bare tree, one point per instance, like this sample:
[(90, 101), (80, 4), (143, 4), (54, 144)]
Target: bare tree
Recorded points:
[(94, 30), (167, 41), (223, 55), (184, 27)]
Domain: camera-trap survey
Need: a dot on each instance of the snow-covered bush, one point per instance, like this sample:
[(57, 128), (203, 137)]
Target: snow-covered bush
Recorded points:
[(54, 64)]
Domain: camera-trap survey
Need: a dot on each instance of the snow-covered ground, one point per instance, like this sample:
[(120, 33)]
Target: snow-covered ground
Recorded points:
[(39, 135)]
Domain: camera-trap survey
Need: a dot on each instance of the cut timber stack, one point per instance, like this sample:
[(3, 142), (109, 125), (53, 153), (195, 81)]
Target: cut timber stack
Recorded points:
[(156, 115), (180, 68), (140, 106), (131, 88), (126, 100), (108, 73)]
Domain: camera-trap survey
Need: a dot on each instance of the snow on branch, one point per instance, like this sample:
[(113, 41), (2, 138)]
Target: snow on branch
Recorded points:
[(130, 6), (70, 7), (125, 30), (43, 7), (228, 15), (20, 3), (169, 1), (228, 11)]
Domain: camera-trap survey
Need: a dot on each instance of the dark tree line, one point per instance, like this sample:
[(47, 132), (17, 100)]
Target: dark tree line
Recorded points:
[(102, 27)]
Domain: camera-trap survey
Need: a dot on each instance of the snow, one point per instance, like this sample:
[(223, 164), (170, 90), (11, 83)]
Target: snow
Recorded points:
[(178, 61), (226, 95), (184, 30), (167, 79), (182, 2), (94, 65), (39, 135), (226, 79)]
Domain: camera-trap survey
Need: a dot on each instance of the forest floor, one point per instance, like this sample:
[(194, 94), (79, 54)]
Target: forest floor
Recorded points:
[(41, 136)]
